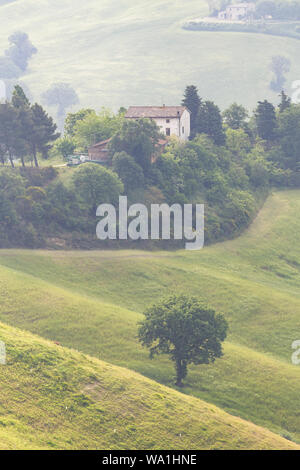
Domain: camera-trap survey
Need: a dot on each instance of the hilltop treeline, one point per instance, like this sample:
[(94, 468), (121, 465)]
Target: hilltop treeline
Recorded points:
[(230, 163), (278, 9), (25, 130)]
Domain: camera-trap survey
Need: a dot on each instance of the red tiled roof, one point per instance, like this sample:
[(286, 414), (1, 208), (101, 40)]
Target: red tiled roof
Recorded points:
[(155, 111)]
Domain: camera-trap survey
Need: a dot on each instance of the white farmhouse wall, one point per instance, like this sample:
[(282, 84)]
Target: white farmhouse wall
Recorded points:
[(185, 125), (172, 120), (172, 123), (180, 127)]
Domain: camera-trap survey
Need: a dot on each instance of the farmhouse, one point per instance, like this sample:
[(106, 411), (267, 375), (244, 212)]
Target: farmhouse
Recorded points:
[(238, 12), (172, 120)]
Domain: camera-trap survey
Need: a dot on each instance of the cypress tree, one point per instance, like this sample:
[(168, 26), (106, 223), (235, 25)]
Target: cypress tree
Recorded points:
[(210, 122), (265, 118), (192, 101), (285, 102)]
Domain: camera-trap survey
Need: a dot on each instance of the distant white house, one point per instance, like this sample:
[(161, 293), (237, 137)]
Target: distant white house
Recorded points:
[(172, 120), (238, 12)]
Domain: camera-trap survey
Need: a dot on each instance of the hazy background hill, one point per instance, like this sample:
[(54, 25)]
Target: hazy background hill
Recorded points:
[(117, 52)]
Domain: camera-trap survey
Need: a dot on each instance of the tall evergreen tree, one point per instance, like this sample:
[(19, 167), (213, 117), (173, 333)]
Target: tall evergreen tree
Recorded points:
[(209, 121), (289, 138), (192, 101), (19, 99), (43, 132), (24, 122), (265, 119), (8, 127), (285, 102)]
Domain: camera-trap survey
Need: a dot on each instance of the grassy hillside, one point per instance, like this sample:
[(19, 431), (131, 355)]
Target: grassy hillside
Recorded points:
[(92, 301), (137, 52), (52, 397)]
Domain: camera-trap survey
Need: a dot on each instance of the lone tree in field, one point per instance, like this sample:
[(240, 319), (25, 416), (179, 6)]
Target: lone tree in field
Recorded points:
[(279, 66), (185, 329)]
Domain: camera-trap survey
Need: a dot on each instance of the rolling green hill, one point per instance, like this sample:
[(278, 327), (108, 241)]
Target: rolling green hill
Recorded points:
[(123, 53), (55, 398), (92, 301)]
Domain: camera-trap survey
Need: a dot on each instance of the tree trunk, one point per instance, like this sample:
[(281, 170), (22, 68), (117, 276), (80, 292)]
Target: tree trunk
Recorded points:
[(11, 161), (35, 158), (181, 371), (23, 162)]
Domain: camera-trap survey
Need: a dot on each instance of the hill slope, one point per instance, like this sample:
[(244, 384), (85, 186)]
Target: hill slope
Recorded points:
[(52, 397), (137, 52), (92, 301)]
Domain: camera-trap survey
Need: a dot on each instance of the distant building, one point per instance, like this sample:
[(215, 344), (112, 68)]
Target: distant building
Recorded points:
[(172, 120), (100, 151), (238, 12)]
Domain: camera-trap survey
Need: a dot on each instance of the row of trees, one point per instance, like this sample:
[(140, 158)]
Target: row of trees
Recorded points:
[(227, 179), (25, 130), (229, 166), (277, 129)]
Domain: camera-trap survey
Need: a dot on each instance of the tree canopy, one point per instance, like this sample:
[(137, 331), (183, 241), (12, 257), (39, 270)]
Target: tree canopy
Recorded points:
[(185, 329), (97, 185), (209, 122), (138, 139), (265, 119), (236, 116)]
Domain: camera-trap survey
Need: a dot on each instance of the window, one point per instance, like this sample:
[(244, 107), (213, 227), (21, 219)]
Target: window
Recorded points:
[(168, 131), (183, 130), (168, 120)]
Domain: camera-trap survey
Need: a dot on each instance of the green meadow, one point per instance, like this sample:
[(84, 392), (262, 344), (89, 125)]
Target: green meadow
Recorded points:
[(92, 302), (56, 398), (76, 376), (136, 53)]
